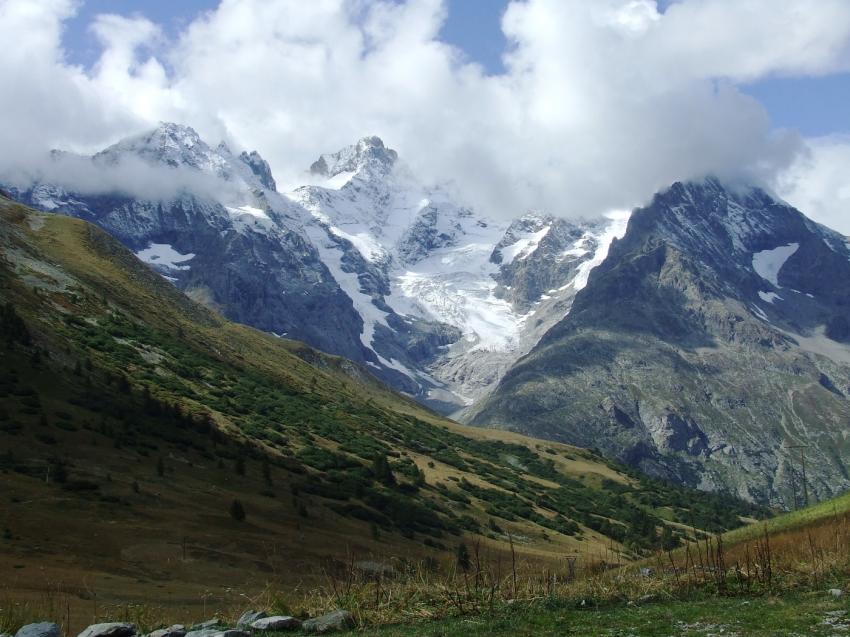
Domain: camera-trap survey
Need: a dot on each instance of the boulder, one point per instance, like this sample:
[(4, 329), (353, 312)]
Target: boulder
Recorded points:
[(232, 632), (210, 623), (277, 622), (177, 630), (249, 617), (41, 629), (335, 620), (836, 592), (110, 629), (204, 632)]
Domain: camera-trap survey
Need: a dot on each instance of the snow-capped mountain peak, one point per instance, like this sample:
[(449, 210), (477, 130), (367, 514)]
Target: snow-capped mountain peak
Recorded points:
[(171, 144), (368, 155)]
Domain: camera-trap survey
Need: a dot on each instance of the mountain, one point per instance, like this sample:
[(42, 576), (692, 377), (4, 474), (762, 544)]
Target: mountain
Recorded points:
[(133, 417), (698, 338), (366, 262), (223, 237), (711, 347)]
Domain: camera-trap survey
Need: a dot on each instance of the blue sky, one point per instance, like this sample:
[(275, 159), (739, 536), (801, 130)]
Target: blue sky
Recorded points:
[(814, 106)]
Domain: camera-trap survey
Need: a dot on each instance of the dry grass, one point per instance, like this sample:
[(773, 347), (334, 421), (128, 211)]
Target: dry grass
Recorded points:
[(814, 557)]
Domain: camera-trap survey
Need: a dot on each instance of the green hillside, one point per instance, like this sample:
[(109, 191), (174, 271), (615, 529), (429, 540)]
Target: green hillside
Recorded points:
[(151, 450)]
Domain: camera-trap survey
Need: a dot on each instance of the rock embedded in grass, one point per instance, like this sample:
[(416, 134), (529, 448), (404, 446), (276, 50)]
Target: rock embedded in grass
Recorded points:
[(204, 632), (110, 629), (210, 623), (278, 622), (177, 630), (836, 592), (335, 620), (41, 629), (249, 617)]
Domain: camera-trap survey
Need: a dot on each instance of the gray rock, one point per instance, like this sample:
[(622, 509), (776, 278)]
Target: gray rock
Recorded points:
[(335, 620), (232, 633), (41, 629), (836, 592), (110, 629), (204, 632), (210, 623), (177, 630), (277, 622), (249, 617)]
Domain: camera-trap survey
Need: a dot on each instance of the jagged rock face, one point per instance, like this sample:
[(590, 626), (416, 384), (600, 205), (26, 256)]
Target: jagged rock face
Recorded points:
[(557, 248), (260, 167), (700, 349)]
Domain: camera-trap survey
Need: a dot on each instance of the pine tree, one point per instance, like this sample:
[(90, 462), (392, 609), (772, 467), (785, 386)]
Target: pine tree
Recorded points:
[(382, 471), (237, 511), (462, 556)]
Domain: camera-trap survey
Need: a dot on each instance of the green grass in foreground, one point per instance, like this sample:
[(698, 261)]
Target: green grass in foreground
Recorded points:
[(816, 613)]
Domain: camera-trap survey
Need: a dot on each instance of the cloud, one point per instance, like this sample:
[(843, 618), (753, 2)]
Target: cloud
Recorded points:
[(602, 101), (818, 183), (132, 177)]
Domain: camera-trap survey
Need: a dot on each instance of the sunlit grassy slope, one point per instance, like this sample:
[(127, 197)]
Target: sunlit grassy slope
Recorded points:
[(795, 520), (132, 418)]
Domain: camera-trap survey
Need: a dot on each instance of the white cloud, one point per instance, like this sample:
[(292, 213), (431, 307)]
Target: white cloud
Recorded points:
[(818, 183), (603, 101)]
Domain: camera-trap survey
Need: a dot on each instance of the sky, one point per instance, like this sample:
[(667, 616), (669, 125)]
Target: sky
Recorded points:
[(570, 106)]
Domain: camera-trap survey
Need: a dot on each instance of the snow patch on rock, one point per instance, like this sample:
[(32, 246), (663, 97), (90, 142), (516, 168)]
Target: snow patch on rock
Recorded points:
[(768, 263), (770, 297), (619, 221), (164, 255)]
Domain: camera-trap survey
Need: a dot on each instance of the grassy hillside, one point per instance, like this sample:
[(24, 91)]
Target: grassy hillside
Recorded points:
[(152, 451)]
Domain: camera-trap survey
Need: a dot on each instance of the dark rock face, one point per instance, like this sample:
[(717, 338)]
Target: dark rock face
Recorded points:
[(564, 246), (709, 340), (425, 235), (270, 278), (260, 167)]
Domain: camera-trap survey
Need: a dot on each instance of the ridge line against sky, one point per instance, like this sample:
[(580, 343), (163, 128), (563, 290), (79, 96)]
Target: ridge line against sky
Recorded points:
[(565, 105)]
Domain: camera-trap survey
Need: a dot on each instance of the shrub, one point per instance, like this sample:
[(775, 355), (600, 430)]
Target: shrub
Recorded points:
[(237, 511)]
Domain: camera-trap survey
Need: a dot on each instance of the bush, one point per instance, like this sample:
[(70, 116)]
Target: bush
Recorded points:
[(237, 511)]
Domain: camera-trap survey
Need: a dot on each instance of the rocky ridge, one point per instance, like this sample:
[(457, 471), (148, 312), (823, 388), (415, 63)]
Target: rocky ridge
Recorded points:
[(709, 347)]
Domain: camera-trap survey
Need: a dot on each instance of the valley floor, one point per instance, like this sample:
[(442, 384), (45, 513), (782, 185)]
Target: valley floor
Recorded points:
[(809, 614)]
